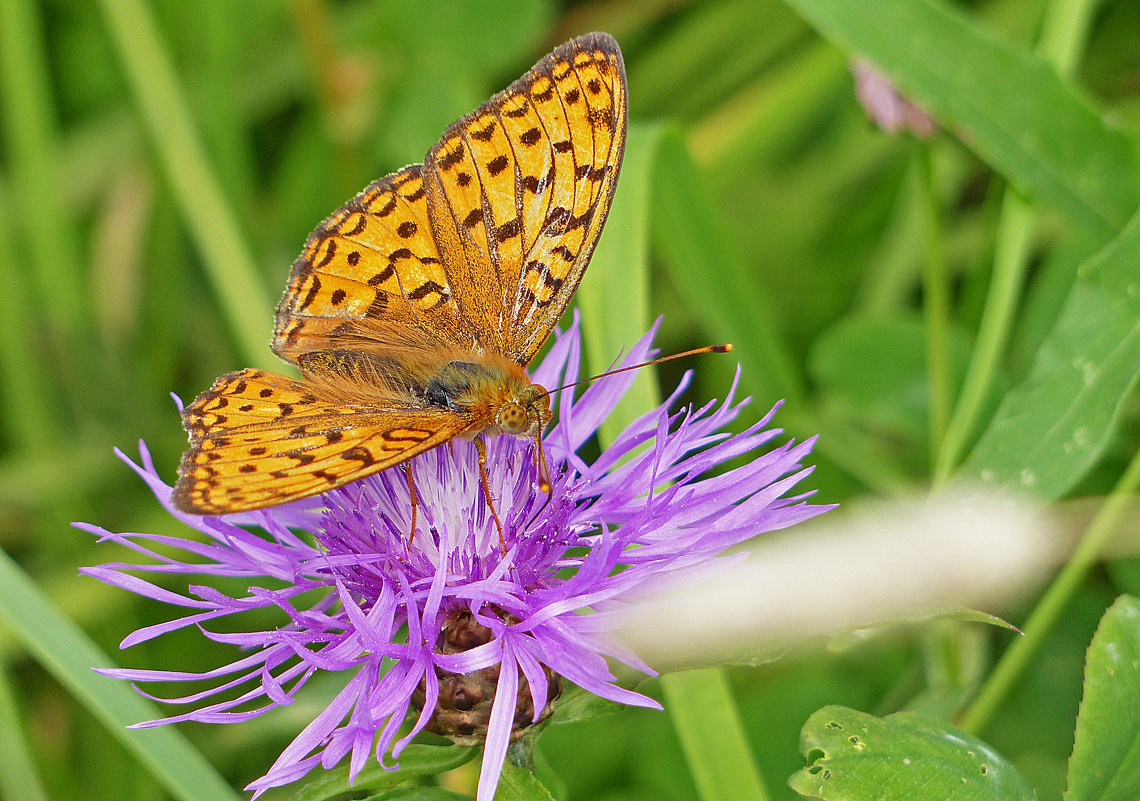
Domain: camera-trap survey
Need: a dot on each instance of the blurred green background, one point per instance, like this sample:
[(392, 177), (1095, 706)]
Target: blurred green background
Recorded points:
[(161, 163)]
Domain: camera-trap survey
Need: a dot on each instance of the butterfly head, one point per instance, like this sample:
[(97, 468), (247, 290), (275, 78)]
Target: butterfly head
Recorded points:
[(525, 413)]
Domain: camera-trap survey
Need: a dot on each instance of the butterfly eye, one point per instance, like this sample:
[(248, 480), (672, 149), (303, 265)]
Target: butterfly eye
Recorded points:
[(513, 418)]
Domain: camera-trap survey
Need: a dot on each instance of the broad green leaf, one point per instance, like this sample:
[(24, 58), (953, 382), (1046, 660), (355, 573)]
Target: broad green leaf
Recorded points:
[(853, 756), (517, 784), (418, 794), (1009, 106), (614, 294), (894, 397), (415, 761), (708, 724), (1053, 427), (1106, 756), (65, 651), (577, 704)]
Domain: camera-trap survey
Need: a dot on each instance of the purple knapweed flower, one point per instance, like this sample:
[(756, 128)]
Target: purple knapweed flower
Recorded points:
[(473, 636)]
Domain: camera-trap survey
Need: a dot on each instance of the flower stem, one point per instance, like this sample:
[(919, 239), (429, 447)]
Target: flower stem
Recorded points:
[(1063, 34), (1014, 234), (936, 301), (1013, 662), (704, 714)]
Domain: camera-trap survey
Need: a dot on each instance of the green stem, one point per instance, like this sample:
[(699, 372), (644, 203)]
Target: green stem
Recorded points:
[(704, 714), (31, 141), (1014, 235), (29, 413), (1062, 36), (1014, 661), (936, 301), (229, 264)]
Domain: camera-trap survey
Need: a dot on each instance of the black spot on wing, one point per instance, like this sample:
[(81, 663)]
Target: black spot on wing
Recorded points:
[(484, 134), (329, 253), (507, 230), (497, 164), (449, 160)]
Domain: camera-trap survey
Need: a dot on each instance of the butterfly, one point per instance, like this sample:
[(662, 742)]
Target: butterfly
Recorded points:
[(414, 309)]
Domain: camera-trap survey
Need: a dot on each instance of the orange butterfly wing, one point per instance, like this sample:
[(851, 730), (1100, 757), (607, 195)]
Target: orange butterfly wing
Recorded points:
[(260, 439), (477, 250), (373, 261), (518, 191)]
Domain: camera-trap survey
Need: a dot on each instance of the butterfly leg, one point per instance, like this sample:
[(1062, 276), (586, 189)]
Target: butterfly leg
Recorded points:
[(415, 498), (481, 447), (541, 466)]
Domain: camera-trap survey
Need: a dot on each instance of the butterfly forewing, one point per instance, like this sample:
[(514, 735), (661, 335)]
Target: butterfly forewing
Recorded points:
[(373, 262), (259, 439), (519, 190)]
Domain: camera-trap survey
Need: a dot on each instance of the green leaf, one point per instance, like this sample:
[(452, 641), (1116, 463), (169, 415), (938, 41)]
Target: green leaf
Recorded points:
[(895, 396), (415, 761), (64, 650), (1009, 106), (1053, 427), (577, 704), (418, 794), (712, 736), (517, 784), (1106, 755), (853, 756), (614, 294)]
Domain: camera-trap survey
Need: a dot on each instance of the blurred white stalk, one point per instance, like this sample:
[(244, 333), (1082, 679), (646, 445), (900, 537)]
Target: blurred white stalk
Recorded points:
[(862, 566)]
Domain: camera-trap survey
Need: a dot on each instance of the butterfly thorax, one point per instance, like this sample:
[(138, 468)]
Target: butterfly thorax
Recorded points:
[(489, 392), (494, 393)]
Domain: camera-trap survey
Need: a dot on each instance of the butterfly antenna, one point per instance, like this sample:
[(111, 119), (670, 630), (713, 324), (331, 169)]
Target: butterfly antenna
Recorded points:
[(725, 348)]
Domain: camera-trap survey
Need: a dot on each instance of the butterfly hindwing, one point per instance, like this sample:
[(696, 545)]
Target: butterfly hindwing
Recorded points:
[(259, 439), (518, 191)]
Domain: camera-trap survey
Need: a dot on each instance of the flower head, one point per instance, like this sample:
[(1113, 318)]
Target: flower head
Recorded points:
[(471, 636)]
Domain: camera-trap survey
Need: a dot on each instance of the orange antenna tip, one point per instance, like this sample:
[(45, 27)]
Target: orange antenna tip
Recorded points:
[(725, 348)]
